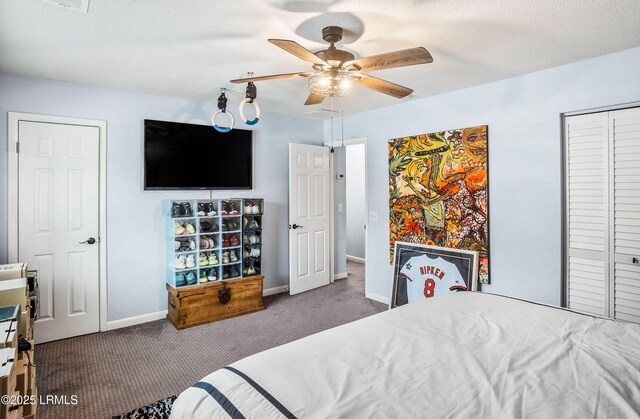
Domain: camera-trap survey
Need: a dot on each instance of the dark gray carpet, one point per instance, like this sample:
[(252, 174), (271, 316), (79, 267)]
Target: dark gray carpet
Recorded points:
[(115, 372)]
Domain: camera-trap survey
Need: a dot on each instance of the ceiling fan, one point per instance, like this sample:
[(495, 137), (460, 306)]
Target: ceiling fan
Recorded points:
[(336, 72)]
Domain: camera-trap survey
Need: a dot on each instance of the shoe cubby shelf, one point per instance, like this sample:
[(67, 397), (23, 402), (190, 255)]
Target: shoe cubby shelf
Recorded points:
[(211, 240)]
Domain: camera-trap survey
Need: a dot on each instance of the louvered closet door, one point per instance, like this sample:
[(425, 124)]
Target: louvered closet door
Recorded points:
[(625, 240), (587, 213)]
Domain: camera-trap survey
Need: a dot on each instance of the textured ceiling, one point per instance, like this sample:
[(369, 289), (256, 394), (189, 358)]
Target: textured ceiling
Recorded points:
[(192, 48)]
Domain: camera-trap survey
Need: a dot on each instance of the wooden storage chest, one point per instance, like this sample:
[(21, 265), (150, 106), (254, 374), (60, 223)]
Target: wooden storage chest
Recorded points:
[(205, 303)]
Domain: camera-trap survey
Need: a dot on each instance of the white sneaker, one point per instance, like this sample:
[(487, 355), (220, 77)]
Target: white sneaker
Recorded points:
[(190, 228), (176, 244), (255, 209), (233, 257), (255, 253), (181, 262), (178, 229), (192, 244), (225, 256), (247, 209), (191, 262)]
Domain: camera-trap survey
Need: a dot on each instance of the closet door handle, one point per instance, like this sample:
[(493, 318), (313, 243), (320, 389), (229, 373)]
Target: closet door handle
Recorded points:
[(90, 240), (634, 260)]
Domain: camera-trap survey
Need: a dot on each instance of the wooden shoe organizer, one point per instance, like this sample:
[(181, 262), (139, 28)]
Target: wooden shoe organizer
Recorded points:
[(214, 259)]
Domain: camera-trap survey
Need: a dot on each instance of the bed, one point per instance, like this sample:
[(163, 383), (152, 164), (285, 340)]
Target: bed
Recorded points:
[(462, 355)]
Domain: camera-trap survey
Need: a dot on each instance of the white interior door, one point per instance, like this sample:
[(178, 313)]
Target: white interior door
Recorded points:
[(309, 217), (58, 195)]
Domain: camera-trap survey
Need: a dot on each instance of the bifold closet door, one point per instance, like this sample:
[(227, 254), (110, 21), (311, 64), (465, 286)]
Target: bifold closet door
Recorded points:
[(625, 237), (587, 180)]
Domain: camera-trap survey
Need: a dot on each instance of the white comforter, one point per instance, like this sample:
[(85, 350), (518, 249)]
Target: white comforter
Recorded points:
[(463, 355)]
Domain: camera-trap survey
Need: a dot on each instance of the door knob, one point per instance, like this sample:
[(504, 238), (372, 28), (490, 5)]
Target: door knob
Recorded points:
[(90, 240), (294, 226)]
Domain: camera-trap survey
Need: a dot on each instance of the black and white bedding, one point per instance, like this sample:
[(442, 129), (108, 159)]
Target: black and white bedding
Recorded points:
[(463, 355)]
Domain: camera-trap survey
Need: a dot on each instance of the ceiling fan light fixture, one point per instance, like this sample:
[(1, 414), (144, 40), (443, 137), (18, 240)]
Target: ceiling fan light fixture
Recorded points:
[(332, 83)]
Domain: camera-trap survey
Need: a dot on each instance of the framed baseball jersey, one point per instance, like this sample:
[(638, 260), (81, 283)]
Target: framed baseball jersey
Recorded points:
[(421, 272)]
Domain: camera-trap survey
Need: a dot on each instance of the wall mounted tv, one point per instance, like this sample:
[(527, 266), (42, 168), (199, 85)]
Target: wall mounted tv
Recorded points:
[(188, 156)]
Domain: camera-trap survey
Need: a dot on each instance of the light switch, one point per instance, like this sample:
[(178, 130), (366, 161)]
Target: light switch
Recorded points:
[(340, 207), (373, 216)]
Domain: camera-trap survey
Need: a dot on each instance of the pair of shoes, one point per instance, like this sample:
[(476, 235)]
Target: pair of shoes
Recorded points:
[(253, 225), (207, 242), (255, 252), (251, 208), (208, 227), (212, 275), (206, 208), (183, 244), (182, 209), (184, 262), (252, 239), (234, 272), (183, 228), (229, 207), (230, 240), (228, 225)]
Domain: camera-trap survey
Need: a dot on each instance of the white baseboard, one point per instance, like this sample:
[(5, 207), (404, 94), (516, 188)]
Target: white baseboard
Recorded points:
[(132, 321), (275, 290), (341, 275), (144, 318), (356, 259), (376, 297)]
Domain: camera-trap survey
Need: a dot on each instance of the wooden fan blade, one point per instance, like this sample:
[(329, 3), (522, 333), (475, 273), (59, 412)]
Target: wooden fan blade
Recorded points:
[(298, 50), (384, 86), (273, 77), (402, 58), (314, 99)]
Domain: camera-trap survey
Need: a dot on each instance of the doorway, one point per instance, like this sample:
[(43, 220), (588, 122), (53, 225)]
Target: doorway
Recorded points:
[(350, 211), (57, 218)]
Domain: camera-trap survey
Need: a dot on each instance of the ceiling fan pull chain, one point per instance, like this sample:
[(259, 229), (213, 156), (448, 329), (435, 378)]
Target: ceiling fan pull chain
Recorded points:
[(222, 106), (250, 97)]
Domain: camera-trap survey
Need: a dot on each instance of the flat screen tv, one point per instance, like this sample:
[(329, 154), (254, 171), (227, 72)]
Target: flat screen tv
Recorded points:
[(188, 156)]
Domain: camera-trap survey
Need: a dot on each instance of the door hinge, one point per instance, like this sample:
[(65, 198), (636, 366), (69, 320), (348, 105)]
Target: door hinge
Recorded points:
[(17, 148)]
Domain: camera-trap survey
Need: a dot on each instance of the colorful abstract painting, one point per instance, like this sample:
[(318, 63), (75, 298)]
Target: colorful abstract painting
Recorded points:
[(438, 192)]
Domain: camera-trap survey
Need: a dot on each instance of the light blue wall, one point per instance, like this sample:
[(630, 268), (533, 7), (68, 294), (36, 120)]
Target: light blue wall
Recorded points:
[(525, 183), (134, 223)]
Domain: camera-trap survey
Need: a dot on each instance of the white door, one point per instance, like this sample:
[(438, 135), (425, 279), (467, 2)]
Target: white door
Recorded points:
[(309, 217), (586, 214), (625, 209), (58, 192)]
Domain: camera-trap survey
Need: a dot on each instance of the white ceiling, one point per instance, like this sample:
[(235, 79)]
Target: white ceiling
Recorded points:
[(192, 48)]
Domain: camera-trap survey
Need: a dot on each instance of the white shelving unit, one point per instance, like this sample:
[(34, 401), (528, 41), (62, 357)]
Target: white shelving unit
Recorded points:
[(212, 240)]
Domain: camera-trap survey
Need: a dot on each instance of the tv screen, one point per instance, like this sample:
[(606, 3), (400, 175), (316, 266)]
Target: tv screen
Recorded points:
[(188, 156)]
